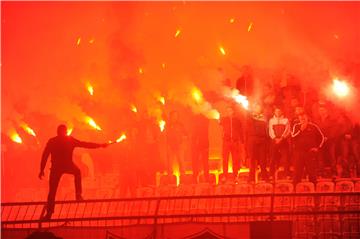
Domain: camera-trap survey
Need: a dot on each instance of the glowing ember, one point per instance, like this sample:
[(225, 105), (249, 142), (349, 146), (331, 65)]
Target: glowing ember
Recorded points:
[(197, 95), (240, 99), (92, 123), (134, 109), (250, 26), (14, 136), (177, 33), (162, 100), (121, 138), (141, 71), (92, 40), (78, 41), (222, 50), (162, 124), (163, 65), (69, 131), (28, 129), (340, 88), (89, 88), (232, 20)]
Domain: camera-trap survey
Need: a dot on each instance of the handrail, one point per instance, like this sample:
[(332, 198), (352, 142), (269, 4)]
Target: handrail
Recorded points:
[(155, 214), (189, 197)]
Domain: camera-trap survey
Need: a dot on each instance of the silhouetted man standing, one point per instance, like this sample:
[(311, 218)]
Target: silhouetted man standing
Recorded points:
[(61, 149)]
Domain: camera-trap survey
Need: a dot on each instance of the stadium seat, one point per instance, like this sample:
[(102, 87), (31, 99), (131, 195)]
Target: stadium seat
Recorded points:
[(329, 225), (304, 225), (222, 205), (283, 203), (263, 203), (241, 204)]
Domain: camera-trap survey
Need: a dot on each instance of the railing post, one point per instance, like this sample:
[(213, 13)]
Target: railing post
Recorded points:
[(156, 217)]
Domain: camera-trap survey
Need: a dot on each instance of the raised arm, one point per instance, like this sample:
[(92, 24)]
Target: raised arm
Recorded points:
[(88, 145)]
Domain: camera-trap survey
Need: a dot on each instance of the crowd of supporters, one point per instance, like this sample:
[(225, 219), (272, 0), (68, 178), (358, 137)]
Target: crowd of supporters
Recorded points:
[(286, 133)]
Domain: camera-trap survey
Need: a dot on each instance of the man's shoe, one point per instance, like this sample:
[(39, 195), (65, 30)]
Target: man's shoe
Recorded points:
[(46, 217)]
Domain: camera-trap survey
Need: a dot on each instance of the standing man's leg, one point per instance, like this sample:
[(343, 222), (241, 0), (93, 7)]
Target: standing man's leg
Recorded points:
[(54, 179), (299, 165), (74, 170), (225, 156), (235, 153), (311, 166), (205, 161)]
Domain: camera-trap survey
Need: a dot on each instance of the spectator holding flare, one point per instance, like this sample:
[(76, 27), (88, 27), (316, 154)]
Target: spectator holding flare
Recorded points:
[(61, 148), (308, 139), (279, 131)]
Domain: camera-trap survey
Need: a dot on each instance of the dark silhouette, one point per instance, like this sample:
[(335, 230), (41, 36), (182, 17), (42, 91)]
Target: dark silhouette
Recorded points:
[(61, 149)]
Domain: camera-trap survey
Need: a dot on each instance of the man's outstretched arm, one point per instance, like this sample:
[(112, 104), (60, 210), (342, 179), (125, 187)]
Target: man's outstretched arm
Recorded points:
[(44, 158), (89, 145)]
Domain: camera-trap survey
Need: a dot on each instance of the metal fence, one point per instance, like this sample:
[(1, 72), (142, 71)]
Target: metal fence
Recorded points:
[(311, 213)]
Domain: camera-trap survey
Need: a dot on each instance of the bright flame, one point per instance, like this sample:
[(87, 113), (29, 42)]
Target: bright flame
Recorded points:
[(141, 71), (250, 26), (340, 88), (222, 50), (230, 166), (162, 100), (89, 88), (232, 20), (121, 138), (176, 172), (162, 124), (214, 114), (69, 131), (78, 41), (197, 95), (240, 99), (177, 32), (14, 136), (92, 123), (134, 109), (28, 129)]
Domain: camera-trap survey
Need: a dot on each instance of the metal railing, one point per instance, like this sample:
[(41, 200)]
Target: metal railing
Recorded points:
[(207, 208)]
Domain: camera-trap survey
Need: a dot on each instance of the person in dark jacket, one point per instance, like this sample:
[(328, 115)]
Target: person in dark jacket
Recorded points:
[(258, 140), (232, 138), (61, 148), (308, 140)]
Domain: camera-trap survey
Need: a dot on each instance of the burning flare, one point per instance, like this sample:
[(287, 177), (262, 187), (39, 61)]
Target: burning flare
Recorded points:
[(78, 41), (162, 100), (222, 50), (250, 26), (121, 138), (197, 95), (134, 109), (240, 99), (14, 136), (89, 88), (69, 131), (177, 33), (141, 71), (213, 114), (232, 20), (28, 129), (92, 123), (162, 124), (340, 88)]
